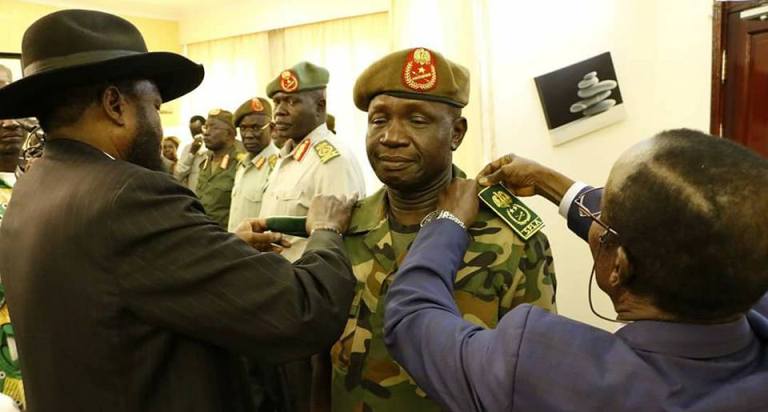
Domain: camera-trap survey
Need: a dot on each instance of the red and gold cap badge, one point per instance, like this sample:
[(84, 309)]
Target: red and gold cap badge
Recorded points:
[(419, 71), (257, 105), (288, 81)]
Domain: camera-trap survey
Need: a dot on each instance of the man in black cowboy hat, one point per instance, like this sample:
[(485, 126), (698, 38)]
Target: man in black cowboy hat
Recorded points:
[(140, 302)]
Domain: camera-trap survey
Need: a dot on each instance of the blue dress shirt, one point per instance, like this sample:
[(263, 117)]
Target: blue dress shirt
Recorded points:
[(537, 361)]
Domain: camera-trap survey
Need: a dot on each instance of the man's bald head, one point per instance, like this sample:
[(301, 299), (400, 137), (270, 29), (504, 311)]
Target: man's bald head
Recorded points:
[(691, 211)]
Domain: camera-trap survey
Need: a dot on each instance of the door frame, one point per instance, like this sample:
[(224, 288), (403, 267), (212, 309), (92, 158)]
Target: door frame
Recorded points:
[(720, 12)]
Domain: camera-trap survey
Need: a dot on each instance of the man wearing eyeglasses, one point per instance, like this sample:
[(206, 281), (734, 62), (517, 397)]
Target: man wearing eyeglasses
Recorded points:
[(253, 119), (679, 238)]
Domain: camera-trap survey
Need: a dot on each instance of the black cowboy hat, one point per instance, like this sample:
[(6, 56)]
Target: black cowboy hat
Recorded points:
[(80, 47)]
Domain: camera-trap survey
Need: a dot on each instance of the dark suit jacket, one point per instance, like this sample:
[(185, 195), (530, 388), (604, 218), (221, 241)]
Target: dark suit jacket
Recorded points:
[(126, 297)]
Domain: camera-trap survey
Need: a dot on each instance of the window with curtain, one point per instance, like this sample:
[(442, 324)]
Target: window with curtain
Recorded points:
[(238, 68)]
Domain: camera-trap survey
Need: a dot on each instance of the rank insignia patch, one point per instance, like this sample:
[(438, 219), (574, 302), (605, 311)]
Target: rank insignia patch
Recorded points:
[(419, 71), (260, 162), (272, 161), (288, 81), (524, 221), (325, 151), (301, 150)]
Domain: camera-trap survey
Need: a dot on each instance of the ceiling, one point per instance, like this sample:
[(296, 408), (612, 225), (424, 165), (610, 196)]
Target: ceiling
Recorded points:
[(162, 9)]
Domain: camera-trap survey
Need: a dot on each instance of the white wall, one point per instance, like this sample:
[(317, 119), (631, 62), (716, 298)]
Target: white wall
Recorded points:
[(661, 51)]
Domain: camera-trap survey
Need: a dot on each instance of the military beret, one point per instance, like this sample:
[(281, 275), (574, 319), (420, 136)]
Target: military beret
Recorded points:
[(301, 77), (414, 74), (223, 116), (256, 105)]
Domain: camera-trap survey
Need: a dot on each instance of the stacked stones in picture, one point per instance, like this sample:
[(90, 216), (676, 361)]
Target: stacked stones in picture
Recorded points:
[(594, 94)]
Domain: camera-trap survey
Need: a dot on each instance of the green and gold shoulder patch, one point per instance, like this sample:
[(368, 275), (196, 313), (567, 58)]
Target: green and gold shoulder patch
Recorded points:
[(522, 219), (325, 151)]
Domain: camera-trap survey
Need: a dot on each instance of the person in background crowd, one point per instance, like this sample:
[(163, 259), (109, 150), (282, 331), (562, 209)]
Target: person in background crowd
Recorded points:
[(217, 172), (312, 161), (141, 302), (170, 146), (252, 118), (192, 155), (6, 76), (277, 140), (679, 242)]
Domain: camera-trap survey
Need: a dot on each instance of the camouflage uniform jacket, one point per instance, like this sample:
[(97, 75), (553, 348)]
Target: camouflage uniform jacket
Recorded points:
[(500, 271)]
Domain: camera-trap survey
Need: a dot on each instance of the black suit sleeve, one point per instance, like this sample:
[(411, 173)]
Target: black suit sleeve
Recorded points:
[(179, 270), (580, 224)]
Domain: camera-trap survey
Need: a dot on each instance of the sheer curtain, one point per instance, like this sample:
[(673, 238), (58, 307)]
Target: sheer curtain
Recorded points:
[(458, 30), (238, 68)]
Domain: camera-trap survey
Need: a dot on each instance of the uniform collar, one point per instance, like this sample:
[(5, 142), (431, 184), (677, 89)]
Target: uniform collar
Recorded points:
[(291, 149), (688, 340), (252, 159), (372, 211)]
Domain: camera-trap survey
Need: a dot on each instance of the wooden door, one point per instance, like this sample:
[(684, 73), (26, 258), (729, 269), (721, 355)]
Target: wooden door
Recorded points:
[(740, 106)]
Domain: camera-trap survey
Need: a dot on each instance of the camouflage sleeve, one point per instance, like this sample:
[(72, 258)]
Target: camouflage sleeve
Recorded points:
[(534, 281)]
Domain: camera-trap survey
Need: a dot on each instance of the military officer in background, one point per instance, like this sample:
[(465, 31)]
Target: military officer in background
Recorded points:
[(217, 172), (192, 155), (252, 118), (414, 100), (313, 160)]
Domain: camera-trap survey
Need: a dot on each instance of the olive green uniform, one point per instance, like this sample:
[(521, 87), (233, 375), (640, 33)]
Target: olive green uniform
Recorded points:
[(215, 182)]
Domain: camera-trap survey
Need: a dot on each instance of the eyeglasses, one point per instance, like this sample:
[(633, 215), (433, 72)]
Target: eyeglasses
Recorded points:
[(255, 128), (583, 203), (593, 212)]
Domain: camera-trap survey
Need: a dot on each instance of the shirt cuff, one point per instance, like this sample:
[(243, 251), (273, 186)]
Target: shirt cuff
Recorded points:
[(570, 196)]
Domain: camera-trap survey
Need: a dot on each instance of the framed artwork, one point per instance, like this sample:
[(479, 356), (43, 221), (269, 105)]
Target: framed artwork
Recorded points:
[(11, 63), (581, 98)]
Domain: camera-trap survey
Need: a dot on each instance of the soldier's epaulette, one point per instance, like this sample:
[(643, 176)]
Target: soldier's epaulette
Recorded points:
[(522, 219), (325, 151), (272, 161)]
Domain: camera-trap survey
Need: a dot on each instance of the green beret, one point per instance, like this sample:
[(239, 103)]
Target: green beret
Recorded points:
[(414, 74), (222, 115), (301, 77), (256, 105)]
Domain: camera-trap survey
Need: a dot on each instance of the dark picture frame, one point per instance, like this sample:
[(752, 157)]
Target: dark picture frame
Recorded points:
[(580, 98)]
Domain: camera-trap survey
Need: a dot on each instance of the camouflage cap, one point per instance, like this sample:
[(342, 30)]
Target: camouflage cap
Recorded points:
[(301, 77), (255, 105), (414, 74), (222, 115)]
